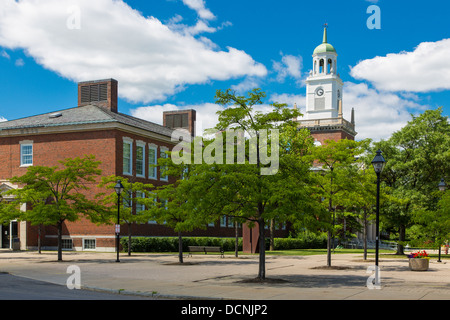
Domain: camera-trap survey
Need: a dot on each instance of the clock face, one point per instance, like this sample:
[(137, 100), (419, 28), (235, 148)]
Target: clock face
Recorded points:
[(320, 92)]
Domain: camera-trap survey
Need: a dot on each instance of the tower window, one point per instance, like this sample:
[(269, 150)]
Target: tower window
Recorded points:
[(321, 66)]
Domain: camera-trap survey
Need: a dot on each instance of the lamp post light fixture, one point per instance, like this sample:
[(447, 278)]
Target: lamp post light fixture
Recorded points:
[(378, 165), (442, 187), (118, 188)]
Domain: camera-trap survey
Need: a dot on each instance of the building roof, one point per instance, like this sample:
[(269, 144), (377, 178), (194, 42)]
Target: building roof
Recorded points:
[(89, 114)]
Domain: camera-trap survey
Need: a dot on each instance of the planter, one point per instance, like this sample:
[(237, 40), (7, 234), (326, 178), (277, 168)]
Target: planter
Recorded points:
[(417, 264)]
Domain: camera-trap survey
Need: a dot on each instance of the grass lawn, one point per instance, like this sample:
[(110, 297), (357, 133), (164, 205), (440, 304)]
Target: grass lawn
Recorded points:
[(370, 253)]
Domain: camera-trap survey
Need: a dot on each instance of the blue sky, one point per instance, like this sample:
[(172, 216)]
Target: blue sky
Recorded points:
[(174, 54)]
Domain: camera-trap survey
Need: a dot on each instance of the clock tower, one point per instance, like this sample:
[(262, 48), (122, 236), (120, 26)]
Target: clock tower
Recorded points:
[(324, 115)]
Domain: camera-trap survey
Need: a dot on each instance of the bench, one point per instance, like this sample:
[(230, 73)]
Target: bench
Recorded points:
[(205, 249)]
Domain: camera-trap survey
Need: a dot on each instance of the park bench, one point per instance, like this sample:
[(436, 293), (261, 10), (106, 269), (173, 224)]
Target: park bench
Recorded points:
[(205, 249)]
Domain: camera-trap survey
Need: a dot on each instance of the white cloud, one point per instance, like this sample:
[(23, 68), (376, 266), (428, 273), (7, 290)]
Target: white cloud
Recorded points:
[(199, 7), (248, 84), (149, 60), (290, 66), (377, 114), (4, 54), (3, 119), (425, 69), (291, 100), (19, 62)]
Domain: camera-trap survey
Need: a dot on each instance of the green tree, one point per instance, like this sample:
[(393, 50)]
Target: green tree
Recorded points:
[(130, 202), (335, 161), (58, 194), (417, 157), (170, 204), (249, 184)]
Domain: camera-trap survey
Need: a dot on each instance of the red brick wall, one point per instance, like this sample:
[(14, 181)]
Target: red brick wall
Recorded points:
[(321, 136)]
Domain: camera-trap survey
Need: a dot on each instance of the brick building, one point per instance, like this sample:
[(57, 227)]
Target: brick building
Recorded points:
[(125, 145)]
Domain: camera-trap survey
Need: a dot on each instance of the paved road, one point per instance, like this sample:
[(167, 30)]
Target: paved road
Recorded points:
[(212, 277), (19, 288)]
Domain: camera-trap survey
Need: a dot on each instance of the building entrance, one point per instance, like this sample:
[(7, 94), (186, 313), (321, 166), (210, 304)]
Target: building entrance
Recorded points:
[(8, 231)]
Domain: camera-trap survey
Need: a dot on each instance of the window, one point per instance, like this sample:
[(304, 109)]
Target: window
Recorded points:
[(127, 199), (164, 155), (152, 161), (89, 244), (26, 153), (155, 201), (66, 244), (223, 221), (127, 157), (139, 206), (140, 156)]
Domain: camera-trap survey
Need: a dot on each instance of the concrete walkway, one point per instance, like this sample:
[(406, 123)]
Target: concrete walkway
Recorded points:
[(211, 277)]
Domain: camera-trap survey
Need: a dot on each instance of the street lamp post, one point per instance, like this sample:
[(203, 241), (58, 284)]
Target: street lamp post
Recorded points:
[(118, 188), (378, 164), (442, 187)]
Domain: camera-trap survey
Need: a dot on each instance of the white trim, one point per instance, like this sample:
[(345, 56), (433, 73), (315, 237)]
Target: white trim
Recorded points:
[(26, 143), (154, 147), (141, 144), (89, 238), (163, 154), (127, 141)]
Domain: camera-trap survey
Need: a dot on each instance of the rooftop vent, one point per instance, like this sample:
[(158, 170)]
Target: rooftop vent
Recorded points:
[(55, 115), (102, 93), (180, 119)]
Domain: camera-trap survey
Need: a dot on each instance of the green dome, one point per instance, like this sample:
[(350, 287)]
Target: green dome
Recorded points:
[(325, 46)]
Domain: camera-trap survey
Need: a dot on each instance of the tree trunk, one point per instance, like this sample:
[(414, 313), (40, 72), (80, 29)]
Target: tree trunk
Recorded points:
[(272, 231), (180, 247), (39, 238), (365, 234), (60, 240), (329, 249), (262, 250), (236, 244), (129, 239), (401, 238)]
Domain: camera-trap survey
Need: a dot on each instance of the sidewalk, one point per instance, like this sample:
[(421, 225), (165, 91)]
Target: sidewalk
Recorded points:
[(212, 277)]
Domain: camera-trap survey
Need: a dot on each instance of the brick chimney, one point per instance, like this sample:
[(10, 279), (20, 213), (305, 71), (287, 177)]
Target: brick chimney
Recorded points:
[(102, 93), (180, 119)]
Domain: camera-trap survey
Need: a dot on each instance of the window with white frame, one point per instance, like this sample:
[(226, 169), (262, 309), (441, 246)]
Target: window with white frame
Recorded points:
[(155, 202), (139, 206), (164, 155), (89, 244), (127, 156), (223, 221), (140, 159), (26, 153), (152, 160), (66, 244)]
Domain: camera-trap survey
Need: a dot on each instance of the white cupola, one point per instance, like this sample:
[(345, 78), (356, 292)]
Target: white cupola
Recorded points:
[(324, 86)]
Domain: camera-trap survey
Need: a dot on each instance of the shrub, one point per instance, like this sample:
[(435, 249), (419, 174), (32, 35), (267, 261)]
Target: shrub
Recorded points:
[(170, 244)]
